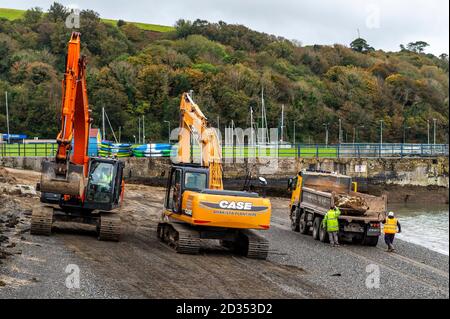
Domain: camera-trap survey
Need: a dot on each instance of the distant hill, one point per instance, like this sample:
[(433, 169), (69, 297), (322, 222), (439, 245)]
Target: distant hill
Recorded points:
[(133, 73), (14, 14)]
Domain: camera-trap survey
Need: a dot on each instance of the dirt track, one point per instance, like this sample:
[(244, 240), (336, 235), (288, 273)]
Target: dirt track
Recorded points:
[(141, 267)]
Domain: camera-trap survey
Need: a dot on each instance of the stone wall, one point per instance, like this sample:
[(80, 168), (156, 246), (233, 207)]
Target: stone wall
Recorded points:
[(402, 172)]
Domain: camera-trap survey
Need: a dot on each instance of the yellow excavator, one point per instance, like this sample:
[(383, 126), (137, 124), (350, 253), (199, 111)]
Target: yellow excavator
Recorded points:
[(197, 207)]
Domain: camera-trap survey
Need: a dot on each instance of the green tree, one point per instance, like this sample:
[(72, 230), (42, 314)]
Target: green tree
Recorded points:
[(57, 12), (361, 45), (417, 47), (33, 15)]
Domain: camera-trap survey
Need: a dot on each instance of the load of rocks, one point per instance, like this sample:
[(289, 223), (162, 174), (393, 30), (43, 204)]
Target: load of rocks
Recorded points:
[(351, 205)]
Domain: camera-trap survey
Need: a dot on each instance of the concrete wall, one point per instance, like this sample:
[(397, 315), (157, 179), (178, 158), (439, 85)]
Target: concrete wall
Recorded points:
[(403, 172), (406, 171)]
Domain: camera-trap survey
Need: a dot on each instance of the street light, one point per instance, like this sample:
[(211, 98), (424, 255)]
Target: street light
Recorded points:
[(428, 131), (404, 133), (294, 131), (326, 133), (7, 117), (355, 132), (381, 132), (135, 141), (169, 129), (434, 132)]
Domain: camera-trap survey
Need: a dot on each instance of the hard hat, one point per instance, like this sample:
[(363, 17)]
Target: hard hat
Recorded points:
[(391, 214)]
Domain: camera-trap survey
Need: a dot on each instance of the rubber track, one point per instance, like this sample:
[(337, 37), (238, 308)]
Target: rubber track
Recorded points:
[(41, 220), (110, 227)]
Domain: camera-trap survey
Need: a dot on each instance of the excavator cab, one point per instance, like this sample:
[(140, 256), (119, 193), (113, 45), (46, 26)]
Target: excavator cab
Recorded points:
[(104, 184), (103, 188), (182, 178)]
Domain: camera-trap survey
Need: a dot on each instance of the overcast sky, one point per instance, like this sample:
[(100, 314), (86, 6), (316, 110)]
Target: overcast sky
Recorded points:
[(384, 23)]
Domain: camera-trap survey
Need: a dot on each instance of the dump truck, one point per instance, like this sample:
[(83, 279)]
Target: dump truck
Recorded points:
[(315, 192)]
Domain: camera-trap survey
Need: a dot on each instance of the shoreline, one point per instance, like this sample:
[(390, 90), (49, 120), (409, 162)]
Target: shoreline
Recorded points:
[(408, 242)]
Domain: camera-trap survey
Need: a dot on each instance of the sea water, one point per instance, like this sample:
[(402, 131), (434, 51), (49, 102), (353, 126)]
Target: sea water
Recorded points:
[(427, 226)]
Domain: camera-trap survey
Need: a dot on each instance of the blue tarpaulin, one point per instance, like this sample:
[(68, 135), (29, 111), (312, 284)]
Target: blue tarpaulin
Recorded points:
[(14, 136)]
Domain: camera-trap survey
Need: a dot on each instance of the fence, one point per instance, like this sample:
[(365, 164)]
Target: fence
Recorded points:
[(30, 150), (281, 150)]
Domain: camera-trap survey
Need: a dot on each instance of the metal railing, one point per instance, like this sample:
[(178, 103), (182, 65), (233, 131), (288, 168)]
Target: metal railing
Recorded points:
[(359, 150)]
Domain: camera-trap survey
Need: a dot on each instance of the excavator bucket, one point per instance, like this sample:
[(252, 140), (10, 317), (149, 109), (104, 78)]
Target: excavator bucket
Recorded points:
[(71, 182)]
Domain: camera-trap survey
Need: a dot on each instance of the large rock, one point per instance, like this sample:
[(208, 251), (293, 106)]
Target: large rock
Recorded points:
[(18, 190), (5, 177)]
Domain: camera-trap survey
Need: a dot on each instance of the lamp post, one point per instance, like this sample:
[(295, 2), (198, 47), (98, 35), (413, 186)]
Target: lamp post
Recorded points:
[(404, 133), (381, 132), (143, 129), (7, 118), (326, 133), (434, 131), (139, 130), (355, 132), (294, 131), (168, 122)]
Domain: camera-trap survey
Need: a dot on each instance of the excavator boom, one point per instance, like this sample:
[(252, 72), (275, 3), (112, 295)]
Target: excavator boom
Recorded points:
[(66, 174), (194, 128)]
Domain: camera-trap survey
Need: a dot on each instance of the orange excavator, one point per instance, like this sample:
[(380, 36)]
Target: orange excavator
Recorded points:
[(197, 207), (75, 187)]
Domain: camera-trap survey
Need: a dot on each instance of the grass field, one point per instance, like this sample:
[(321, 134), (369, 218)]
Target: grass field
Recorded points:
[(27, 150), (13, 14), (227, 152)]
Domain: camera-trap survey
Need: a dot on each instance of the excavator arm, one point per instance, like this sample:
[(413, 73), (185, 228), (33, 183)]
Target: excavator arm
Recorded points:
[(194, 128), (75, 118), (66, 174)]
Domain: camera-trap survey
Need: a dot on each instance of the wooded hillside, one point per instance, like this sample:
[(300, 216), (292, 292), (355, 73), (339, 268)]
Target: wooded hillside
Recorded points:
[(133, 72)]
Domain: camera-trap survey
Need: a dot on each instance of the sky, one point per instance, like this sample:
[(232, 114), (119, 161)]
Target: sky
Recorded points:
[(385, 24)]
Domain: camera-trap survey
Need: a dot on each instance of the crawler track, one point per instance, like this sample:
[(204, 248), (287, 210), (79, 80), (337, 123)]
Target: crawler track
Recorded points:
[(257, 247), (110, 227), (42, 220), (183, 239)]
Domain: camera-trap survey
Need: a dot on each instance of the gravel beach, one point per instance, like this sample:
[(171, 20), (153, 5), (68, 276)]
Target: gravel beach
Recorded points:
[(139, 266)]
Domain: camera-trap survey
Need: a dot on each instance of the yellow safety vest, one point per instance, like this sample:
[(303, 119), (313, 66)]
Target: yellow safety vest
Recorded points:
[(390, 227)]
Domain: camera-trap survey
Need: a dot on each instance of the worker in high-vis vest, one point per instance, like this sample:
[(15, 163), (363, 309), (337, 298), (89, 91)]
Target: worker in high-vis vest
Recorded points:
[(391, 227), (331, 224)]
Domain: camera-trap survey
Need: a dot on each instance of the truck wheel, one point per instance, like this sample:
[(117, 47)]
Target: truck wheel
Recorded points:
[(302, 224), (370, 241), (316, 227), (323, 234)]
